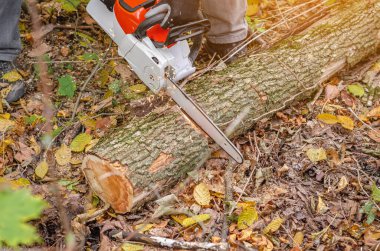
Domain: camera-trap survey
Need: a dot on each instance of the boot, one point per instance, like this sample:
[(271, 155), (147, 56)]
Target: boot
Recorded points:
[(17, 88)]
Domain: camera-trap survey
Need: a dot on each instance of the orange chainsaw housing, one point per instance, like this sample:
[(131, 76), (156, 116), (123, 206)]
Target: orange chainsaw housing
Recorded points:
[(131, 13)]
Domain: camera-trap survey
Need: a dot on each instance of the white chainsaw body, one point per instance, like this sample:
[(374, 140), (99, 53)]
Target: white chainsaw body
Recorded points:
[(152, 65)]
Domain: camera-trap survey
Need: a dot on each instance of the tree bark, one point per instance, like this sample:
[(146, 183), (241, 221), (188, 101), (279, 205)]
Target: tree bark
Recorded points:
[(149, 155)]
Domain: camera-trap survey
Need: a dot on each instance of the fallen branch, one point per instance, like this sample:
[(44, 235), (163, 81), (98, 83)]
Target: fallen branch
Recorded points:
[(167, 243)]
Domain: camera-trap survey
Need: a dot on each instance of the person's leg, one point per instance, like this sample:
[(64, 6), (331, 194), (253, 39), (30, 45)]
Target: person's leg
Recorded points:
[(227, 18), (10, 44)]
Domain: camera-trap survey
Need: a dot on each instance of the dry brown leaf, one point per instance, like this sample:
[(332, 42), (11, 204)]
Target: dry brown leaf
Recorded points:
[(374, 135), (374, 113), (331, 92)]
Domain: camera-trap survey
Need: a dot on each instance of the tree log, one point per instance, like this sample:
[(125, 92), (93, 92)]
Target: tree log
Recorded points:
[(149, 155)]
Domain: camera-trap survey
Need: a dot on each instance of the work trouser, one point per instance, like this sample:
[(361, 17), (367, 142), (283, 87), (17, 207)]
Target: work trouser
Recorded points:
[(10, 44), (227, 19)]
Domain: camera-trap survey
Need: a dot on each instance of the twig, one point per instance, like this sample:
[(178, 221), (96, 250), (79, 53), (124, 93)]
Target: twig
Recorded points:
[(168, 243), (86, 217), (358, 170), (228, 197), (94, 71), (364, 123)]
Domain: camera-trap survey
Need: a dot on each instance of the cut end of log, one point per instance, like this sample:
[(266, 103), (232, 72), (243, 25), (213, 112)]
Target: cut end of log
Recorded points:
[(108, 182)]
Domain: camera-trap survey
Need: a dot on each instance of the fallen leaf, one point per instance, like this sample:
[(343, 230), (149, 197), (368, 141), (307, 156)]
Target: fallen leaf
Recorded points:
[(42, 169), (347, 98), (316, 154), (139, 88), (202, 194), (80, 142), (247, 217), (298, 239), (321, 207), (245, 235), (195, 219), (63, 155), (39, 51), (346, 122), (374, 135), (375, 193), (132, 247), (374, 113), (331, 92), (273, 226), (12, 76), (342, 184), (5, 124), (141, 228), (327, 118), (356, 90)]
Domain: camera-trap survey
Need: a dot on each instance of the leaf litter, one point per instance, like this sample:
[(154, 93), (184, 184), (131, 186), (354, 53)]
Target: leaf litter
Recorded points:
[(315, 174)]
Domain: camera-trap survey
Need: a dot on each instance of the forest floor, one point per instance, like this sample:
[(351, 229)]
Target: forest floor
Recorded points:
[(311, 176)]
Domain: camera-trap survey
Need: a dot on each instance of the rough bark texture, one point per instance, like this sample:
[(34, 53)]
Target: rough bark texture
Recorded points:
[(150, 154)]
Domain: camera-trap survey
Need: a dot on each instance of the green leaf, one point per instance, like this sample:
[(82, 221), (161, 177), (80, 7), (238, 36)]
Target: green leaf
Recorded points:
[(89, 57), (370, 210), (375, 193), (356, 90), (17, 208), (67, 86), (80, 142), (70, 5), (115, 86)]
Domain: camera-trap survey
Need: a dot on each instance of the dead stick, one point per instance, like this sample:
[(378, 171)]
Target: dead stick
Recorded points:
[(167, 243)]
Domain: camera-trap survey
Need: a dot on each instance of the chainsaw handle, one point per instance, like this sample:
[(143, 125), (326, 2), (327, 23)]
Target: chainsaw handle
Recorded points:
[(148, 23)]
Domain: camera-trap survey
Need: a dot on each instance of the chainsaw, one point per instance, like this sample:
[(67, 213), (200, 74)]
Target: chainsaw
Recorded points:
[(159, 57)]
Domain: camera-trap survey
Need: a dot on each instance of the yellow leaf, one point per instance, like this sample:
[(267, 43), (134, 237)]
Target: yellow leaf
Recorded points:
[(42, 169), (141, 228), (4, 144), (21, 182), (321, 207), (63, 155), (327, 118), (375, 113), (195, 219), (80, 142), (131, 247), (298, 239), (91, 145), (253, 7), (35, 146), (88, 122), (6, 124), (346, 122), (247, 217), (5, 116), (245, 235), (179, 218), (342, 183), (202, 194), (139, 88), (273, 226), (12, 76), (316, 154)]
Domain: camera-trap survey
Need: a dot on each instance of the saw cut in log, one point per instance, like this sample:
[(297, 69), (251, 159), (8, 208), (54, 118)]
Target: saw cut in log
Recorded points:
[(146, 157)]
